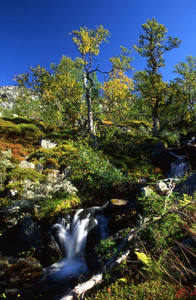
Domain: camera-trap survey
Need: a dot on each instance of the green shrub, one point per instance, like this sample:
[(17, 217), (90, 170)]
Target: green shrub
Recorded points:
[(18, 174), (93, 170), (169, 137), (5, 165)]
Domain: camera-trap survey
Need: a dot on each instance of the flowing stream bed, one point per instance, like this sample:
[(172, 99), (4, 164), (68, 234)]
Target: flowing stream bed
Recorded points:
[(71, 237)]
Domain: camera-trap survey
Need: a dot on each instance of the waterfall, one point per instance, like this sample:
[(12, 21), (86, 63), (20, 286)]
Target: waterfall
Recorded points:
[(71, 238), (179, 167)]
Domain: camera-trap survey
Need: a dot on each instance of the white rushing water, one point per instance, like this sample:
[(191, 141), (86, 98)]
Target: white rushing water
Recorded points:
[(179, 167), (72, 238)]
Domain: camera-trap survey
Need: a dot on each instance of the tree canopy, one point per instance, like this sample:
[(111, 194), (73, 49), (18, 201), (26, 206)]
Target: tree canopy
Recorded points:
[(70, 91)]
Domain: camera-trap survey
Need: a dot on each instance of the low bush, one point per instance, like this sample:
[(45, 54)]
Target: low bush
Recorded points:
[(17, 151), (93, 170)]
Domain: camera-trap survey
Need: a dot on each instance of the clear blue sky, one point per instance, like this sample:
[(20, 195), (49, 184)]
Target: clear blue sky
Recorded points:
[(36, 32)]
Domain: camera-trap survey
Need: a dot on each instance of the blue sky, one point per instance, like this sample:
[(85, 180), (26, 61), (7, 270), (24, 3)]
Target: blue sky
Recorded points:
[(36, 32)]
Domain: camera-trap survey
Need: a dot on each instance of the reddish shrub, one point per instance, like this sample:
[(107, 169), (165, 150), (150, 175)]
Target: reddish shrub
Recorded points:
[(18, 153)]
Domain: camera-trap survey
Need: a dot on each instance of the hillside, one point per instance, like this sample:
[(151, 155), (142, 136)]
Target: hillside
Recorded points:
[(49, 171)]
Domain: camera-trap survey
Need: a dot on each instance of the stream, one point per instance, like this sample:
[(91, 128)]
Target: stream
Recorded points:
[(72, 237)]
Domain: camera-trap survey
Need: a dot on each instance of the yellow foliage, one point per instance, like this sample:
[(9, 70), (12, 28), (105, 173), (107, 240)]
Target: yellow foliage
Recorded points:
[(117, 90), (88, 41), (144, 258)]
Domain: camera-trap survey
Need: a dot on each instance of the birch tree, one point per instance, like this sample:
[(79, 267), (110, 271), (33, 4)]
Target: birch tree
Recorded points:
[(153, 44), (88, 43)]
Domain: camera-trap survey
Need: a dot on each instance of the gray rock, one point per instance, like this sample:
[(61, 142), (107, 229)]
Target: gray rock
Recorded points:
[(147, 191), (39, 167), (11, 193), (18, 271), (30, 234), (17, 210), (67, 172), (188, 186), (47, 144), (158, 149), (7, 96), (26, 165), (162, 187)]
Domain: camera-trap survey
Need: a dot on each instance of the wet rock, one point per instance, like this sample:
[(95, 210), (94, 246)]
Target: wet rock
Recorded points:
[(121, 213), (24, 237), (188, 186), (28, 238), (161, 157), (30, 233), (50, 252), (16, 273), (115, 205), (158, 149)]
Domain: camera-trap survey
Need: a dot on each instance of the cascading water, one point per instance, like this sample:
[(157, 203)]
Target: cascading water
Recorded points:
[(179, 167), (72, 238)]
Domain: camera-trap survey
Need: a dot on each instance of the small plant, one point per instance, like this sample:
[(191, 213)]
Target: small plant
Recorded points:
[(106, 248), (28, 253)]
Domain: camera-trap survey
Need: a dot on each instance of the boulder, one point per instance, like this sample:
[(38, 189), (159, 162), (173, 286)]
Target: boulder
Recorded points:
[(148, 192), (39, 167), (30, 234), (15, 271), (162, 187), (8, 94), (121, 213), (16, 274), (161, 157), (26, 165), (28, 238), (16, 210), (47, 144), (188, 186)]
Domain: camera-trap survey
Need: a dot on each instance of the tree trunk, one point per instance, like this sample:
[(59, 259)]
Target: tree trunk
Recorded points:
[(88, 87), (91, 124), (155, 124)]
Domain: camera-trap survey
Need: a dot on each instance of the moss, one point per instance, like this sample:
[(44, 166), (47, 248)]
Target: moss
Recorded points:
[(18, 174), (57, 205)]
